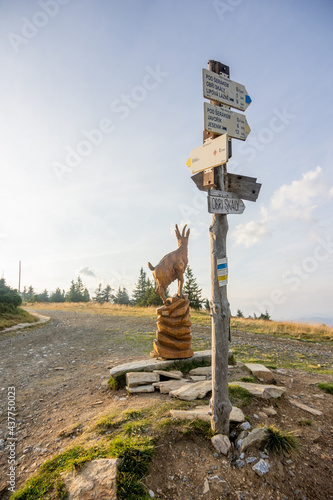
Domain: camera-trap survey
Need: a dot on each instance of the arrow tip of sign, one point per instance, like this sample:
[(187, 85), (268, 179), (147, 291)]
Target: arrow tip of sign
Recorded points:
[(248, 99), (189, 162)]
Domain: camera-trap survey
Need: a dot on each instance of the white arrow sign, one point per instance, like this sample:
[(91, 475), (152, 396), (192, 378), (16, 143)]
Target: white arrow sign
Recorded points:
[(221, 202), (224, 121), (212, 153), (221, 89)]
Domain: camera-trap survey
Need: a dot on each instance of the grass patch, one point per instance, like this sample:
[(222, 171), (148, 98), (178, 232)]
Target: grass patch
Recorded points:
[(248, 379), (280, 442), (14, 318), (305, 332), (198, 427), (305, 422), (239, 396), (326, 387)]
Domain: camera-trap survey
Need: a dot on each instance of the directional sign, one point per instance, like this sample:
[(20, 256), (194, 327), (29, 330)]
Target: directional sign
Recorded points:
[(221, 202), (212, 153), (221, 89), (245, 187), (224, 121)]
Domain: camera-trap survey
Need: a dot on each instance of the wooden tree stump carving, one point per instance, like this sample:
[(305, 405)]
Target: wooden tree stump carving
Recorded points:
[(173, 330), (173, 322)]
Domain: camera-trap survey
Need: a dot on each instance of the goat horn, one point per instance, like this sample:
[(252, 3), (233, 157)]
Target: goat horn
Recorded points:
[(183, 233), (177, 232)]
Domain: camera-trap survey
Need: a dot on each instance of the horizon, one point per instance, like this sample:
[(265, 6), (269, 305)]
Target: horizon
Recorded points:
[(102, 105)]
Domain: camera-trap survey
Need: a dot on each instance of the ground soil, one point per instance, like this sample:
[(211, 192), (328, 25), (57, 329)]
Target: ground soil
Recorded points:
[(59, 371)]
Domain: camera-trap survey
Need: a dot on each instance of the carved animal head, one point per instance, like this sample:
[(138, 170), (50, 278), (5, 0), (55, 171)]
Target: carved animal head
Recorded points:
[(182, 238)]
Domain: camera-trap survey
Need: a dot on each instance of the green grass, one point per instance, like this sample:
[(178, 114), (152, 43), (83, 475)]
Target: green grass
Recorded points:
[(19, 316), (133, 438), (280, 442), (305, 422), (239, 396), (248, 379), (327, 387)]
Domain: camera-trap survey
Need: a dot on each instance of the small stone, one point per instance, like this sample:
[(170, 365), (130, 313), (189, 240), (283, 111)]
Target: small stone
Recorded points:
[(242, 456), (245, 426), (260, 371), (203, 460), (205, 487), (256, 438), (135, 379), (215, 455), (263, 455), (240, 463), (250, 460), (214, 467), (239, 444), (140, 389), (255, 415), (270, 411), (221, 443), (151, 493), (291, 473), (261, 467)]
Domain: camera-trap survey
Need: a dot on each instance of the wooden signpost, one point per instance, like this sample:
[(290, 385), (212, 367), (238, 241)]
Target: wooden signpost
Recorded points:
[(225, 194)]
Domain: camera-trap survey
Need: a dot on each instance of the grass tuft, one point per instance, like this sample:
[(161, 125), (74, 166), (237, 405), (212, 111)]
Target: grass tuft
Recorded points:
[(327, 387), (248, 379), (239, 395), (280, 442), (198, 427)]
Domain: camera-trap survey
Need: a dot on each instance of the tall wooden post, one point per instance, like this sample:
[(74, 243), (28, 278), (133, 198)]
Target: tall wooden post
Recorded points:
[(220, 310)]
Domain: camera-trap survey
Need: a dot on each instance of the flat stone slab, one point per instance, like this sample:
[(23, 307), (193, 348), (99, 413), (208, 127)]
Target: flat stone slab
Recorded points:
[(190, 392), (140, 389), (96, 479), (172, 374), (197, 378), (149, 365), (261, 390), (307, 408), (201, 370), (41, 319), (170, 385), (260, 371), (201, 412), (134, 379)]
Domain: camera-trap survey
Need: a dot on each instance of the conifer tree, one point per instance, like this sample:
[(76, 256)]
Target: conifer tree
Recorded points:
[(192, 289), (121, 297), (58, 296)]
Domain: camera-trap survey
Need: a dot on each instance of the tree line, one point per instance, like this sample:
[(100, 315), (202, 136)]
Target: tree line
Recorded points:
[(143, 294)]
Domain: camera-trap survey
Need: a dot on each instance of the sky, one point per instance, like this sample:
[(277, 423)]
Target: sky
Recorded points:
[(101, 104)]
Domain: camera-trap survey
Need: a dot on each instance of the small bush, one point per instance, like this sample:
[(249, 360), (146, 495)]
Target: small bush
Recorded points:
[(9, 298), (326, 387), (280, 442)]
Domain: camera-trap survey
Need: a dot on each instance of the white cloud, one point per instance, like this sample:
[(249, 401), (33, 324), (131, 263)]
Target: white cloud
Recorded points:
[(250, 233), (296, 200), (87, 271)]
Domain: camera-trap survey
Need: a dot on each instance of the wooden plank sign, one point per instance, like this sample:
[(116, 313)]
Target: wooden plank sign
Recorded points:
[(221, 202), (245, 187), (212, 153), (224, 121), (221, 89)]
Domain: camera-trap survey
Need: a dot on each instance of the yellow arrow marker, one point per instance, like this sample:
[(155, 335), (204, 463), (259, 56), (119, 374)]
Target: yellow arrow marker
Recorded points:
[(189, 162)]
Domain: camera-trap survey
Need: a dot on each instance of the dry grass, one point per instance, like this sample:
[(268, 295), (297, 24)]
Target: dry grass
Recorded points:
[(14, 318), (300, 331), (305, 332)]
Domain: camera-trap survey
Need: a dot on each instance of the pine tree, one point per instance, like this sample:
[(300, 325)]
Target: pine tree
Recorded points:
[(42, 297), (192, 289), (140, 288), (121, 297), (107, 294), (98, 294), (77, 292), (239, 314), (58, 296)]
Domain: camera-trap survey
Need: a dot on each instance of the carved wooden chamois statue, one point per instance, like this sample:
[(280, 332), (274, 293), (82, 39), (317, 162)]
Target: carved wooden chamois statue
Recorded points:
[(172, 266)]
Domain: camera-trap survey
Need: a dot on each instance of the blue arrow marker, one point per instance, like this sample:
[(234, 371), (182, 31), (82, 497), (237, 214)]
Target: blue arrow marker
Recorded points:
[(248, 99)]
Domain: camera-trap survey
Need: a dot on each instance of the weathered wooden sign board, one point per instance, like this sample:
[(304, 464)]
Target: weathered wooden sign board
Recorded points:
[(221, 202), (245, 187), (212, 153), (224, 121), (221, 89)]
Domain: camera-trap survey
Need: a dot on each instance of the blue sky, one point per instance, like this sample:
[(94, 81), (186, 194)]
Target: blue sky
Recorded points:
[(101, 105)]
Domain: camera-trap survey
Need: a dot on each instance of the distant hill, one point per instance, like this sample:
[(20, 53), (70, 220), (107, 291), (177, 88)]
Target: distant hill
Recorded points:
[(316, 319)]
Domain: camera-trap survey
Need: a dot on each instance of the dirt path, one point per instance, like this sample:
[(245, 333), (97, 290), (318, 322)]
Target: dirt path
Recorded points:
[(59, 371)]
